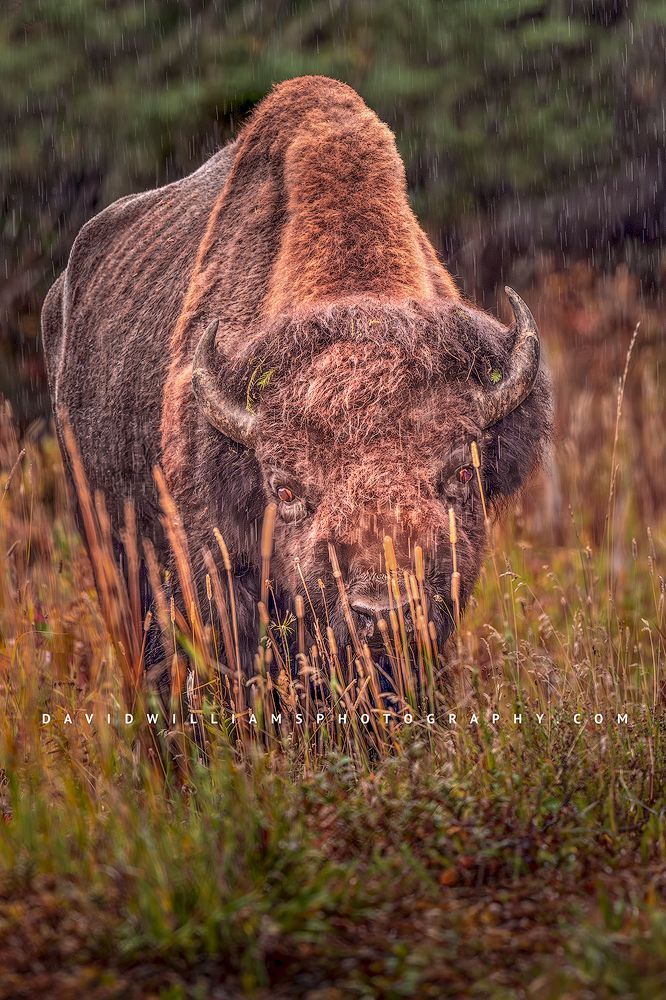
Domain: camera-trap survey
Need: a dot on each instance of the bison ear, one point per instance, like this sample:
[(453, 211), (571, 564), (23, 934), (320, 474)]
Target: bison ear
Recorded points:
[(518, 444), (220, 411)]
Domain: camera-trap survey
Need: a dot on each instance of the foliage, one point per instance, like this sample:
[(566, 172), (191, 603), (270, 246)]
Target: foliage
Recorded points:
[(411, 859), (490, 101), (414, 860)]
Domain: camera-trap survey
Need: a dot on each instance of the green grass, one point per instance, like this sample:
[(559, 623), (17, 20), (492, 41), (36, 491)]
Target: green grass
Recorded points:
[(396, 860)]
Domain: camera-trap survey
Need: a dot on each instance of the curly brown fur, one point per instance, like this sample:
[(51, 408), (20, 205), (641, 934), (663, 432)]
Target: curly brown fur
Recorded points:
[(300, 240), (367, 419)]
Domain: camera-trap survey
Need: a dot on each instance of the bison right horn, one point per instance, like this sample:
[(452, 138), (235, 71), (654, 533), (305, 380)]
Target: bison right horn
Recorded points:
[(220, 411), (517, 383)]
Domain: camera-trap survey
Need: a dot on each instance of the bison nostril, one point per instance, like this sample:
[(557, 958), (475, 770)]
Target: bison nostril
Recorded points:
[(365, 626), (366, 613)]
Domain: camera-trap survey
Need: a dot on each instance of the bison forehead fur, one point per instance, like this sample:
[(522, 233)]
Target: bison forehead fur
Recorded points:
[(342, 353)]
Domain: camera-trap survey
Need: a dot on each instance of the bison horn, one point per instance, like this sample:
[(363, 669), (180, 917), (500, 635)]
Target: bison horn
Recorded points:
[(220, 411), (514, 385)]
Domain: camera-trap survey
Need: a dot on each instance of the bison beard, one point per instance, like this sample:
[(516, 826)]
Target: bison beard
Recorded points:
[(277, 328)]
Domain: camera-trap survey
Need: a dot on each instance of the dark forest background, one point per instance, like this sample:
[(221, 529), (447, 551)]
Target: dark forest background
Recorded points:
[(532, 132), (332, 861)]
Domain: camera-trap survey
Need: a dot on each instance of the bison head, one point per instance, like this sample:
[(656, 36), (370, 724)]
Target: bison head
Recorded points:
[(364, 429)]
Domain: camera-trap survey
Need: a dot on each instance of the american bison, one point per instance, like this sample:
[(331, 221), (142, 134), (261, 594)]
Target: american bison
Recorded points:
[(277, 327)]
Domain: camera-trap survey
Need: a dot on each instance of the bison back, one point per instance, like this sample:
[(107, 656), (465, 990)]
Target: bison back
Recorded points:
[(106, 329)]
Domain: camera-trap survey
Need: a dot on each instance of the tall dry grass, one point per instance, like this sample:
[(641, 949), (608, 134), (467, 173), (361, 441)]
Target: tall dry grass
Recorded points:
[(547, 632), (365, 846)]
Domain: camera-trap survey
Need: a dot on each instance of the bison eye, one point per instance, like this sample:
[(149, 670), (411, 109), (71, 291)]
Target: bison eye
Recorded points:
[(465, 474), (285, 494)]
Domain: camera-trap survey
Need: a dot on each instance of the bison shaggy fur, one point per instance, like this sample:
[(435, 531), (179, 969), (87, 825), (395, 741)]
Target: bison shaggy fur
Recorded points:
[(339, 334)]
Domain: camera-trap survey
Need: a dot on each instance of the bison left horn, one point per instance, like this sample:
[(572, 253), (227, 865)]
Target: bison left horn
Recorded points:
[(220, 411), (513, 385)]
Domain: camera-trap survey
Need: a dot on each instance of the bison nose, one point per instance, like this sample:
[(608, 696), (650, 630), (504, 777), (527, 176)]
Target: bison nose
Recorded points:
[(366, 612)]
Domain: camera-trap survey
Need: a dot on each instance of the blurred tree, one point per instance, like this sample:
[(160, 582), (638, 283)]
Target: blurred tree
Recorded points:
[(524, 124)]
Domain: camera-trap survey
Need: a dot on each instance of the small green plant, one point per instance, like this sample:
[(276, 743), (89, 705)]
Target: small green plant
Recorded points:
[(259, 379)]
